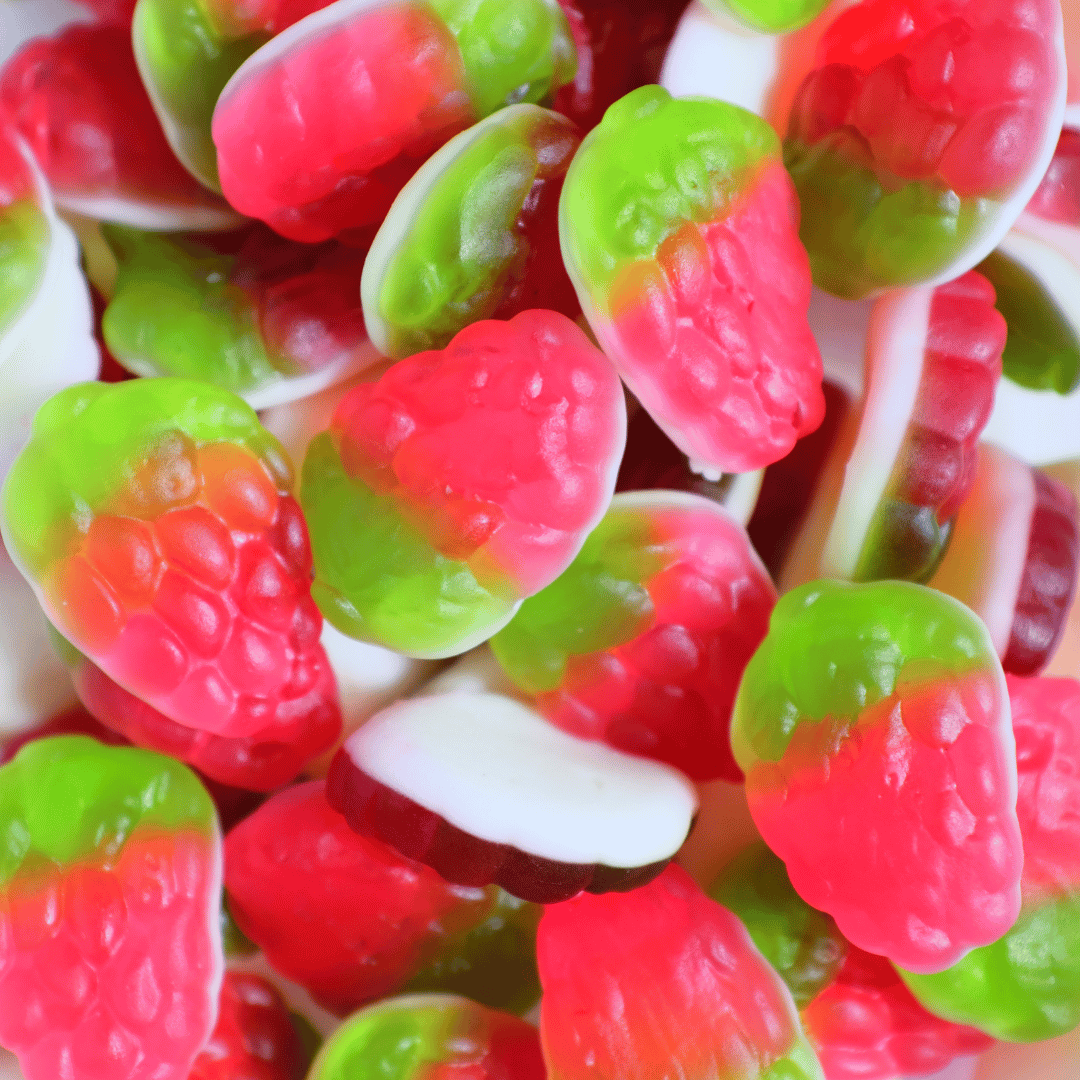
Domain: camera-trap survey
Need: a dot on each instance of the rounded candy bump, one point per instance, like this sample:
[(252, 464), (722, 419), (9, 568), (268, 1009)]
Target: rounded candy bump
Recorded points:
[(770, 16)]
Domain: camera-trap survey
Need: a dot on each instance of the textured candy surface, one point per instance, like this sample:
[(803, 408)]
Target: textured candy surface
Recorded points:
[(1026, 986), (920, 134), (662, 981), (111, 951), (873, 728), (473, 235), (692, 277), (643, 639), (351, 920), (474, 475), (431, 1037), (153, 519)]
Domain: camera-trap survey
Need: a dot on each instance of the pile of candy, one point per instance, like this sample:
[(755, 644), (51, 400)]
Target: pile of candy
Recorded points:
[(542, 539)]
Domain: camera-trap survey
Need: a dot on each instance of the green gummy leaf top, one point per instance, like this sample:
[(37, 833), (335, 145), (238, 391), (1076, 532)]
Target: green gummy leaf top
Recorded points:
[(802, 944), (24, 249), (770, 16), (652, 164), (600, 601), (87, 441), (68, 797), (835, 648), (513, 50)]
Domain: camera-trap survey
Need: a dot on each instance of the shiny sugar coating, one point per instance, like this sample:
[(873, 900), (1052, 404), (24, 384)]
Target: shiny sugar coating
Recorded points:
[(351, 920), (692, 278), (642, 641), (428, 1037), (111, 877), (473, 235), (873, 728), (153, 519), (920, 134), (1026, 986), (430, 70), (474, 475), (662, 981)]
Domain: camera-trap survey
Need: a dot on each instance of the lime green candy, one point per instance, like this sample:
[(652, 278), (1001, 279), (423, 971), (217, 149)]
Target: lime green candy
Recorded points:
[(87, 440), (1023, 988), (175, 312), (834, 649), (802, 944), (600, 601), (68, 797), (652, 164), (799, 1063), (770, 16), (448, 247), (24, 249)]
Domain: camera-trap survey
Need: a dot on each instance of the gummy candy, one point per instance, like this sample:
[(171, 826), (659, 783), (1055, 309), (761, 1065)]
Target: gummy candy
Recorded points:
[(873, 728), (1013, 559), (643, 639), (539, 812), (923, 130), (473, 474), (154, 521), (273, 321), (1026, 985), (429, 1037), (78, 101), (430, 69), (662, 981), (351, 920), (770, 16), (473, 235), (111, 872), (692, 277), (899, 471)]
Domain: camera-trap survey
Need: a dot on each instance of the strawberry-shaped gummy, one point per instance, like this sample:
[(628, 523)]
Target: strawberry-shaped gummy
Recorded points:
[(254, 1038), (1026, 986), (901, 469), (46, 341), (664, 982), (155, 522), (271, 321), (678, 229), (1013, 559), (473, 475), (473, 235), (541, 813), (643, 640), (858, 1015), (79, 102), (769, 16), (351, 920), (110, 947), (430, 69), (1036, 272), (873, 728), (431, 1037), (920, 134)]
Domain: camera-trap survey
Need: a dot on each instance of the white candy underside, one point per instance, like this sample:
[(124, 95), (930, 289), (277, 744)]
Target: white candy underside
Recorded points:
[(151, 215), (497, 770), (896, 343)]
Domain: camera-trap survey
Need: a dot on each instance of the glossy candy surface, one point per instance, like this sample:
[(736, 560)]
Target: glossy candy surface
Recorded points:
[(110, 871), (692, 277), (474, 475), (643, 640), (770, 16), (873, 729)]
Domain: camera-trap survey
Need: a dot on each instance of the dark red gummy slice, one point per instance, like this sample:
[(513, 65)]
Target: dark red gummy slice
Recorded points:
[(1057, 198), (1048, 583), (375, 810)]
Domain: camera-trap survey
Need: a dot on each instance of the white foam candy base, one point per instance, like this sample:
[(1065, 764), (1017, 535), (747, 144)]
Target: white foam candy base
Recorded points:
[(151, 216), (497, 770)]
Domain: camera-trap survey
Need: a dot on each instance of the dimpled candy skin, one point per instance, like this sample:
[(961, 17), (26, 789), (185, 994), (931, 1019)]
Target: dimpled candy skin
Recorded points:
[(678, 228), (473, 475), (873, 728), (110, 872), (1027, 985), (154, 520), (920, 118)]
